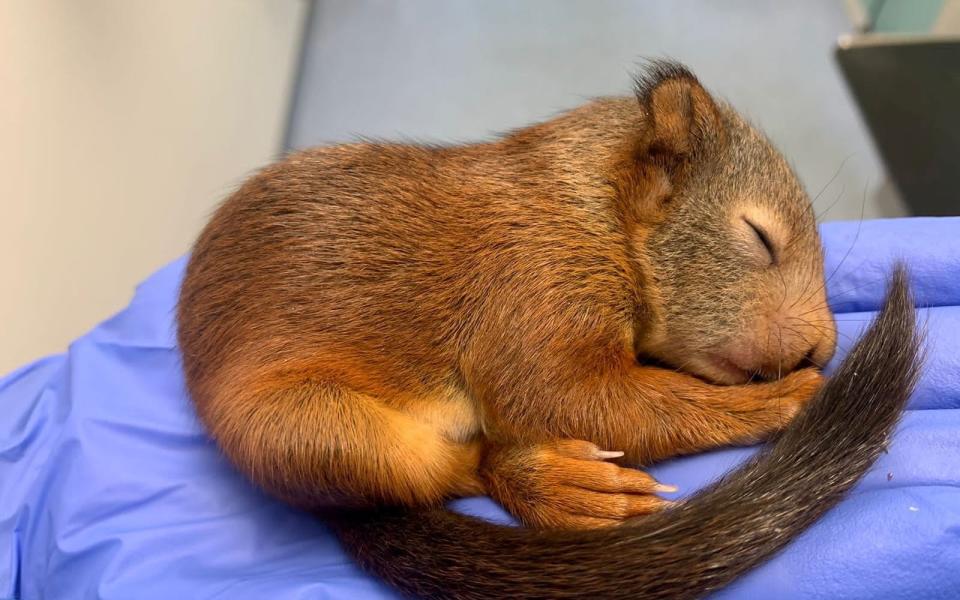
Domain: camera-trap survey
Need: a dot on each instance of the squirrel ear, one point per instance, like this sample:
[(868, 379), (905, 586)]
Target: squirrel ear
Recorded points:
[(680, 112)]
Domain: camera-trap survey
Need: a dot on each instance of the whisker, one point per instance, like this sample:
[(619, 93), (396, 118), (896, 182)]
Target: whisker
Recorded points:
[(831, 299), (779, 369), (817, 218), (838, 320), (856, 238), (806, 286), (854, 288), (783, 282), (824, 329), (824, 188), (799, 333)]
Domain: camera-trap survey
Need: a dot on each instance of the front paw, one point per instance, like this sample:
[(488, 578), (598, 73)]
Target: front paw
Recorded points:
[(793, 392), (569, 484)]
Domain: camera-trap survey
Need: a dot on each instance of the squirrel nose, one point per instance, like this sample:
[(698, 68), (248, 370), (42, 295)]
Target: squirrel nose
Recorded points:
[(816, 355), (808, 343), (780, 366), (808, 359), (792, 349), (770, 365), (821, 352)]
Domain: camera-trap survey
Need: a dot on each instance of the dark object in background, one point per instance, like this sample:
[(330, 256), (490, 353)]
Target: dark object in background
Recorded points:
[(908, 88)]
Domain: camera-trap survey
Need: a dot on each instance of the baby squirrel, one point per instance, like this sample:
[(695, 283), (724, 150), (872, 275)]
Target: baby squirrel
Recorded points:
[(370, 329)]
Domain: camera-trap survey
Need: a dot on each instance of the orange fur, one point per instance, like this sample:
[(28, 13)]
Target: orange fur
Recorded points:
[(383, 323)]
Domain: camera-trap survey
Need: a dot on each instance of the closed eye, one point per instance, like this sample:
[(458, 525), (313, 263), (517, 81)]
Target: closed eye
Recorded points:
[(764, 239)]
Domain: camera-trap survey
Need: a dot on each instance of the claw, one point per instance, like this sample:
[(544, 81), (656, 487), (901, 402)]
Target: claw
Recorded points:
[(606, 454), (663, 487)]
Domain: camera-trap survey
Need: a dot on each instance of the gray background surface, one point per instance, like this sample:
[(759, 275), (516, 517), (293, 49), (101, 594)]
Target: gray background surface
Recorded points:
[(460, 70)]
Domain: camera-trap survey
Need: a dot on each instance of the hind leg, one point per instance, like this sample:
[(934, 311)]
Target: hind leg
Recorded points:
[(568, 484), (315, 443)]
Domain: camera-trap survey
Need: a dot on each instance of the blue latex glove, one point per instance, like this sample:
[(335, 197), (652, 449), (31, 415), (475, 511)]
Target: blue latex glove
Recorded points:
[(110, 488)]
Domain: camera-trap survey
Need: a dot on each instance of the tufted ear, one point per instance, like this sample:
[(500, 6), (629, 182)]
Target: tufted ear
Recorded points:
[(680, 113)]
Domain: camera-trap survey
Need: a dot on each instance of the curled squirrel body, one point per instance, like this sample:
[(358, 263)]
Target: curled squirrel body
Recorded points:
[(370, 329)]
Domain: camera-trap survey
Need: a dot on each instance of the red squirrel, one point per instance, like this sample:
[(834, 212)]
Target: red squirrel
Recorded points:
[(371, 329)]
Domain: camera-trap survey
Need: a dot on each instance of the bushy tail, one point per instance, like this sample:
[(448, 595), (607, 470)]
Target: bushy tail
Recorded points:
[(699, 546)]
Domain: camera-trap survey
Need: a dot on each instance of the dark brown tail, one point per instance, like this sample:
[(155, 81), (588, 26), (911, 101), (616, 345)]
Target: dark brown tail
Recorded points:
[(699, 546)]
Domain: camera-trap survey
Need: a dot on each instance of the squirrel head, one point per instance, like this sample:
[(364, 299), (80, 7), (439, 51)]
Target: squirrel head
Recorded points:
[(730, 249)]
